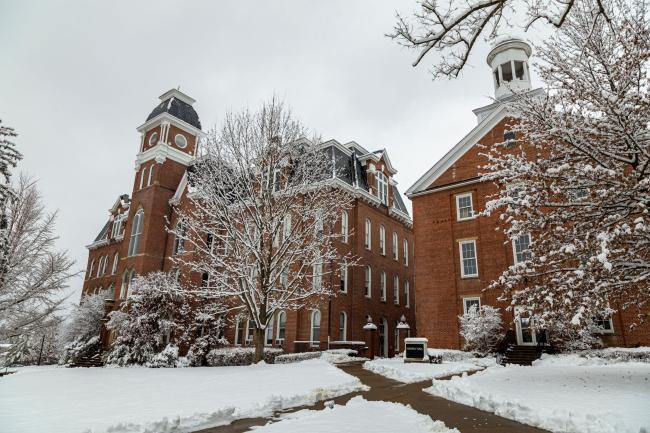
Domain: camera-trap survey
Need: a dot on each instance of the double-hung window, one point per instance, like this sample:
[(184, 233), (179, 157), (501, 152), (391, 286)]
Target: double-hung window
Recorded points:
[(382, 240), (382, 187), (382, 285), (395, 247), (470, 302), (464, 207), (344, 276), (368, 234), (468, 262), (344, 226), (521, 248), (368, 281), (136, 233), (396, 289)]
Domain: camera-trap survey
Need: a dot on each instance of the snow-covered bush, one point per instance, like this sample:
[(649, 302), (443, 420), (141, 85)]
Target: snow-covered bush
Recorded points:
[(481, 328), (229, 356), (205, 331), (168, 358), (80, 333), (619, 354), (449, 355), (289, 358), (37, 346)]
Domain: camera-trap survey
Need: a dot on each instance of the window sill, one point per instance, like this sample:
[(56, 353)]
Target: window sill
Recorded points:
[(465, 219), (468, 277)]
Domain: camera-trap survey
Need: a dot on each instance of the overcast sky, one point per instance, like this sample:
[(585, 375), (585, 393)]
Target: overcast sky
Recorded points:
[(77, 78)]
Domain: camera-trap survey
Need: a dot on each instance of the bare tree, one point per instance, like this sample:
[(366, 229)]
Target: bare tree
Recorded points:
[(35, 274), (574, 190), (453, 27), (263, 204)]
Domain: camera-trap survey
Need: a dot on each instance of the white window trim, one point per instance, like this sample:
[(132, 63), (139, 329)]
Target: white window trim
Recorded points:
[(343, 337), (609, 331), (471, 202), (116, 261), (344, 226), (279, 340), (395, 246), (470, 298), (150, 175), (514, 249), (311, 328), (142, 174), (382, 286), (460, 252), (368, 290), (368, 234), (344, 270), (396, 289), (407, 294), (382, 240), (406, 252)]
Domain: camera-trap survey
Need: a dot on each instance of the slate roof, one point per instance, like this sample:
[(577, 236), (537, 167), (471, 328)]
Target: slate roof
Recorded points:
[(179, 109), (103, 233)]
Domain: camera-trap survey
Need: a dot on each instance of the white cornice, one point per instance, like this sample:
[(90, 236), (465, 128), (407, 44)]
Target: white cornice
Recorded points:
[(160, 152), (446, 187), (175, 120), (176, 198)]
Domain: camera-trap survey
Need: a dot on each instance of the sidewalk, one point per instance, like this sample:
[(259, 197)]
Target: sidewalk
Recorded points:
[(466, 419)]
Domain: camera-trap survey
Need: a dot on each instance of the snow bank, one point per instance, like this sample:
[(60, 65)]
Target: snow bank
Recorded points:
[(558, 396), (410, 372), (65, 400), (358, 415), (450, 354), (610, 355)]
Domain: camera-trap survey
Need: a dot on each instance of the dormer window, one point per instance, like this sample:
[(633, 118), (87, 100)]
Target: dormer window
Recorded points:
[(153, 139), (382, 187)]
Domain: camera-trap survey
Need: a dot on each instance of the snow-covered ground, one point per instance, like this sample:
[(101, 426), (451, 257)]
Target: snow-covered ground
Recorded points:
[(75, 400), (358, 415), (566, 393), (410, 372)]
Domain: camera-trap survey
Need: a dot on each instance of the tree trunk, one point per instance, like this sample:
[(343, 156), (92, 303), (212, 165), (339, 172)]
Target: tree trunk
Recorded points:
[(259, 345)]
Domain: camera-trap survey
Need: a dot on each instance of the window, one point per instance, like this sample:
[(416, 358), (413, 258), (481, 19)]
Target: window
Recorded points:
[(142, 175), (150, 180), (406, 252), (464, 209), (521, 248), (407, 294), (287, 226), (136, 233), (250, 331), (284, 279), (468, 303), (318, 223), (90, 270), (395, 247), (317, 276), (238, 331), (519, 70), (282, 323), (127, 277), (99, 267), (396, 289), (468, 265), (116, 261), (509, 138), (344, 276), (153, 139), (277, 179), (506, 71), (180, 141), (315, 328), (343, 326), (496, 77), (205, 279), (604, 324), (382, 240), (344, 226), (269, 332), (367, 281), (179, 238), (368, 234), (118, 226), (382, 187), (382, 286), (105, 265)]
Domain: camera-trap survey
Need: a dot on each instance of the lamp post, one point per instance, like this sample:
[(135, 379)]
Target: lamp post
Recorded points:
[(370, 329), (404, 327)]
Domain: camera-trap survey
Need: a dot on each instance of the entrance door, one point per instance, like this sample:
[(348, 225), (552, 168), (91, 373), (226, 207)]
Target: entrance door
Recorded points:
[(383, 338), (525, 333)]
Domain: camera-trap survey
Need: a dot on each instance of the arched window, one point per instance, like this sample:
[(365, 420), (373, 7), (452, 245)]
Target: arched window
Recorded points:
[(368, 281), (105, 264), (142, 175), (179, 238), (315, 328), (116, 261), (150, 180), (344, 276), (344, 226), (126, 282), (396, 289), (382, 240), (90, 270), (136, 233), (407, 294), (382, 187), (269, 332), (282, 323), (406, 252), (396, 349), (368, 234), (382, 285), (343, 326), (395, 247), (99, 267)]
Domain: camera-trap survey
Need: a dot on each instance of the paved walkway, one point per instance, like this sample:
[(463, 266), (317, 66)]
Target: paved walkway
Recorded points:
[(465, 418)]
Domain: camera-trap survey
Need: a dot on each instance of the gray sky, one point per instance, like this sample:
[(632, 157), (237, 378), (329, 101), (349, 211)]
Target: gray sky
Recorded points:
[(77, 78)]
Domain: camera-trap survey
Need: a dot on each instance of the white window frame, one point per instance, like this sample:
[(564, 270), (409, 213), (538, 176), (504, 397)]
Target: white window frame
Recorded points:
[(462, 266), (381, 182), (611, 327), (514, 248), (179, 240), (344, 226), (90, 271), (471, 203), (136, 233), (314, 343), (382, 286), (396, 289), (268, 333), (317, 276), (470, 299), (382, 240), (237, 330), (344, 336), (116, 261), (344, 276), (150, 178), (407, 293), (142, 174), (278, 340), (405, 245), (98, 273), (395, 246), (368, 234), (367, 281)]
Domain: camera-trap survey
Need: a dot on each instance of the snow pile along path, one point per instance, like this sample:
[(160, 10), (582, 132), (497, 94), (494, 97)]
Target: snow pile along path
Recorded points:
[(411, 372), (557, 395), (358, 415), (75, 400)]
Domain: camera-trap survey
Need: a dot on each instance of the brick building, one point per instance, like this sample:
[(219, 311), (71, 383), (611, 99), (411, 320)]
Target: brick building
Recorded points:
[(457, 252), (134, 240)]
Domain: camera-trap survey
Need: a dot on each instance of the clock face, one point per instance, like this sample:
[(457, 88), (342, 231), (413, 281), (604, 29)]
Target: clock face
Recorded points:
[(153, 139), (180, 141)]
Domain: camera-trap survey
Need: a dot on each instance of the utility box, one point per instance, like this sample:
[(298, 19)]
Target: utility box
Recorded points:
[(415, 350)]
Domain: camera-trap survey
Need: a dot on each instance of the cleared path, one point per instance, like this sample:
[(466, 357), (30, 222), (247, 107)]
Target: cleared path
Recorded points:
[(465, 418)]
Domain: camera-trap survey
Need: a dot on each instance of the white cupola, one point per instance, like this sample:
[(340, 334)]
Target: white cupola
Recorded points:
[(509, 63)]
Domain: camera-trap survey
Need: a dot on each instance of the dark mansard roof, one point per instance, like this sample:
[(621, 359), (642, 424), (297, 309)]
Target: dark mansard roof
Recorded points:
[(179, 109)]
